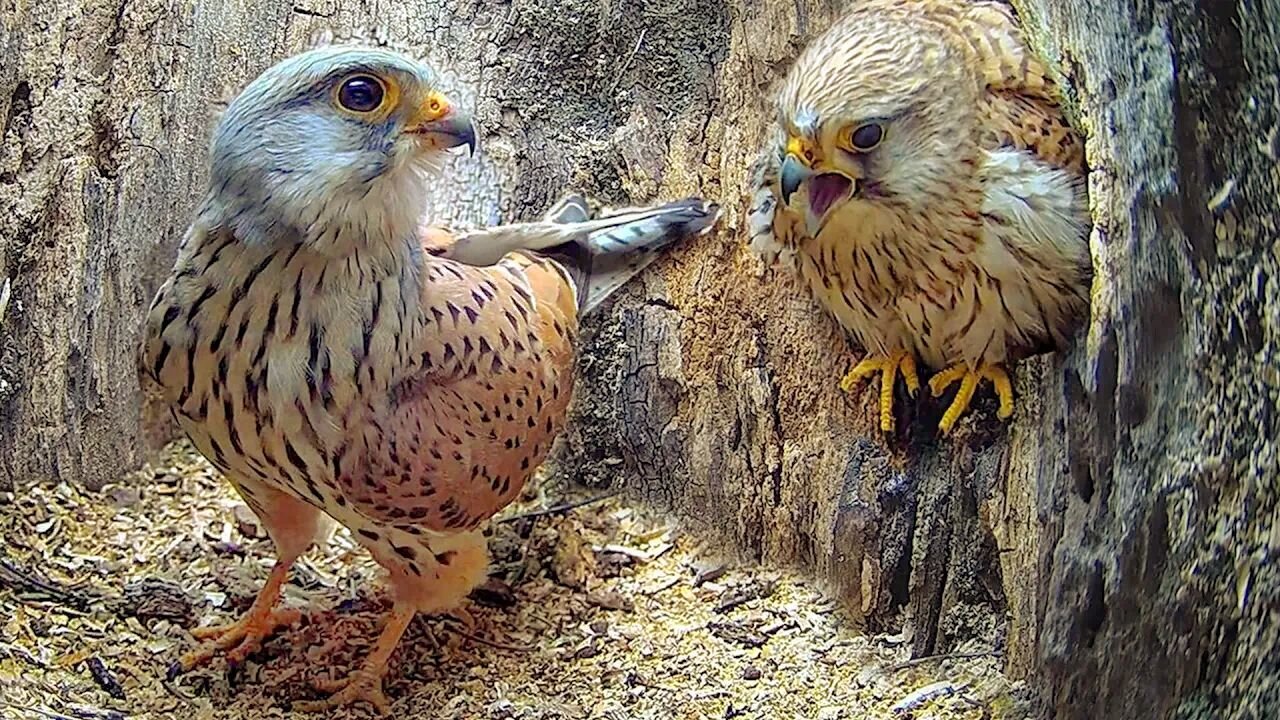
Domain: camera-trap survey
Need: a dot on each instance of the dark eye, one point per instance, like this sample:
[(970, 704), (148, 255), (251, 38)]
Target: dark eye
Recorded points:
[(866, 137), (361, 93)]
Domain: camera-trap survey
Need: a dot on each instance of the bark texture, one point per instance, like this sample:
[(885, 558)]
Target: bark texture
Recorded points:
[(1160, 589), (1117, 535)]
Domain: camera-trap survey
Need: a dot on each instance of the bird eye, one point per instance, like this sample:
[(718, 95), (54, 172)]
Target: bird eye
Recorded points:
[(361, 93), (866, 137)]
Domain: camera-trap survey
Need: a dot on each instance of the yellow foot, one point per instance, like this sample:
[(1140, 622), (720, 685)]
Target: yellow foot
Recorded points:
[(900, 362), (241, 638), (969, 379), (362, 685), (246, 634)]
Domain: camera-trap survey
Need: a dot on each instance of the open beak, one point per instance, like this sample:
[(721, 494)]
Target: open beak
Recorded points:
[(826, 188), (443, 124)]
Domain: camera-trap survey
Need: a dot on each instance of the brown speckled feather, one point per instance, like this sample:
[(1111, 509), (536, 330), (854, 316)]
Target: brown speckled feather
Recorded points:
[(1032, 124), (456, 441)]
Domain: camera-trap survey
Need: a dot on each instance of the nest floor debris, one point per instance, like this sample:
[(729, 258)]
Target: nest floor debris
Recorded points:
[(596, 609)]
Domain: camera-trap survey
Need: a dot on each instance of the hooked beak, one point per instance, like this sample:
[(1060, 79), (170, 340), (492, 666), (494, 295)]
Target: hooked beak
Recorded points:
[(443, 125), (827, 188), (793, 173)]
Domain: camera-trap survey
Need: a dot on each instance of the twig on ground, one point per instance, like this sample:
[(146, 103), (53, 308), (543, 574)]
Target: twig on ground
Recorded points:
[(491, 643), (23, 580), (947, 656), (561, 508), (924, 695)]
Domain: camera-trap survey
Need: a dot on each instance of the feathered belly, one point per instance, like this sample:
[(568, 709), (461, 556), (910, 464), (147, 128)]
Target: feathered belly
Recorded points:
[(855, 303), (267, 384), (993, 314), (268, 415)]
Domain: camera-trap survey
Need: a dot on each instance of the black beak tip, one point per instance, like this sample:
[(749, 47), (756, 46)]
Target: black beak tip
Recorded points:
[(788, 189), (789, 178), (472, 136), (454, 132)]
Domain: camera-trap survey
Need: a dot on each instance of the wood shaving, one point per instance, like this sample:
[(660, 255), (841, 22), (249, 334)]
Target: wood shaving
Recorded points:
[(98, 592)]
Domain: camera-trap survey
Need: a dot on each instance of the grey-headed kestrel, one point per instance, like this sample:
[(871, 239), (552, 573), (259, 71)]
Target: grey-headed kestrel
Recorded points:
[(336, 365), (923, 182)]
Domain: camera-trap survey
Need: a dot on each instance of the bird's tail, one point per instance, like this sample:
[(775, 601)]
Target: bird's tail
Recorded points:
[(599, 253)]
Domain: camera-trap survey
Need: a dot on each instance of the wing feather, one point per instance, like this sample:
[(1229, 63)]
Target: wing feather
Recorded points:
[(1032, 124)]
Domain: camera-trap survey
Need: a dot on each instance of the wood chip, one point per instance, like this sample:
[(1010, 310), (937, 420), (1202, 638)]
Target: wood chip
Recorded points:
[(156, 598), (738, 633), (121, 584), (752, 591), (705, 572), (633, 553), (246, 522), (919, 697), (104, 678), (612, 564), (610, 600)]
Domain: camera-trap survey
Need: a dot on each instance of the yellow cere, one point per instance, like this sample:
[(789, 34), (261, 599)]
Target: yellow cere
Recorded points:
[(802, 150), (433, 108)]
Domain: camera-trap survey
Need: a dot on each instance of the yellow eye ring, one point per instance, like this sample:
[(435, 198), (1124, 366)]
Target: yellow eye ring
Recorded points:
[(364, 94), (865, 137)]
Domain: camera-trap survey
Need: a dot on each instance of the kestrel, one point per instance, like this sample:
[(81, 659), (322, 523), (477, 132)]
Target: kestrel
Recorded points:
[(922, 180), (337, 366)]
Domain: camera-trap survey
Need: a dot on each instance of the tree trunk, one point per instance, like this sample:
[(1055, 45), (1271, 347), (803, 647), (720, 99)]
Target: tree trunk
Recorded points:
[(1114, 534), (1160, 537)]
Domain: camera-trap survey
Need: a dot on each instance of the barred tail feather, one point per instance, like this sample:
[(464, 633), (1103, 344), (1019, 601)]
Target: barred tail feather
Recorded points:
[(624, 243), (599, 255)]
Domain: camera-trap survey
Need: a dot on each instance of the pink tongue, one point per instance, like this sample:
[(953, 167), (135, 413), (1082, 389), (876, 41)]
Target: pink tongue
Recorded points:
[(824, 190)]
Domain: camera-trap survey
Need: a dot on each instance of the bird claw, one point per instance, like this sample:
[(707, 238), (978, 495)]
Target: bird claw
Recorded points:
[(889, 367), (240, 639), (360, 686), (365, 684), (969, 379)]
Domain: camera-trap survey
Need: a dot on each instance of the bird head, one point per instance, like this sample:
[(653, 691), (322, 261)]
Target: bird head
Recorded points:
[(333, 148), (877, 111)]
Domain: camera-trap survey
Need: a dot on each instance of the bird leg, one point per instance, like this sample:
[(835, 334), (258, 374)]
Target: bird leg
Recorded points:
[(365, 684), (463, 617), (889, 366), (244, 636), (969, 378)]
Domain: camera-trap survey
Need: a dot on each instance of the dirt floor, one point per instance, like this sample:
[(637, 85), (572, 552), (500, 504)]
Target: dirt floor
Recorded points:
[(594, 611)]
